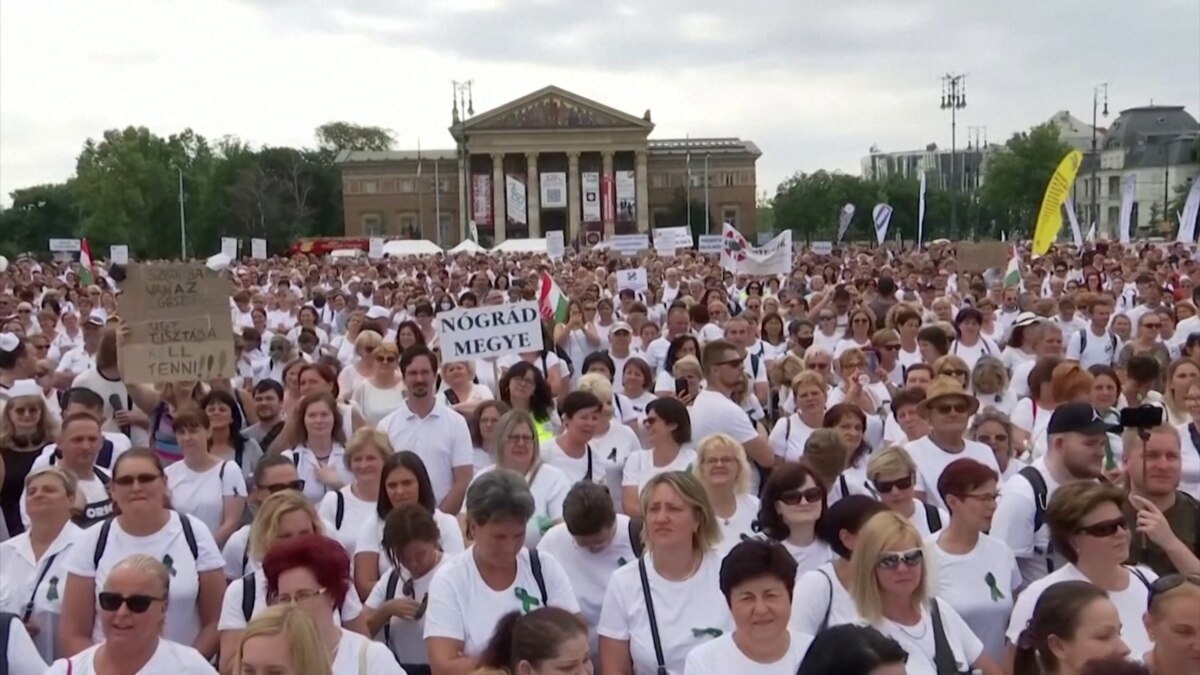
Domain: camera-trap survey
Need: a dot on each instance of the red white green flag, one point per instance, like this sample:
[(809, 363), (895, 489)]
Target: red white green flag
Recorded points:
[(85, 264), (552, 302)]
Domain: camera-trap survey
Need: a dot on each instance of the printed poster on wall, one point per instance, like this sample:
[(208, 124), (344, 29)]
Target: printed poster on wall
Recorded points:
[(554, 190), (606, 198), (515, 198), (626, 196), (481, 198), (591, 196)]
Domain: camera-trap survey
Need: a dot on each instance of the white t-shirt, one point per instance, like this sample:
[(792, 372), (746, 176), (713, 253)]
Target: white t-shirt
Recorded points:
[(1189, 477), (1131, 605), (984, 347), (640, 468), (20, 583), (712, 413), (1013, 522), (980, 586), (919, 641), (355, 512), (739, 525), (203, 494), (359, 655), (370, 538), (170, 657), (233, 613), (22, 654), (405, 637), (931, 460), (235, 552), (441, 439), (616, 445), (722, 657), (463, 607), (168, 545), (921, 517), (600, 463), (816, 594), (307, 464), (809, 557), (688, 613), (1101, 349), (788, 437), (590, 572)]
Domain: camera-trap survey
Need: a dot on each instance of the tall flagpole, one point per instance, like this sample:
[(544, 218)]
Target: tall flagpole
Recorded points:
[(707, 210), (688, 187)]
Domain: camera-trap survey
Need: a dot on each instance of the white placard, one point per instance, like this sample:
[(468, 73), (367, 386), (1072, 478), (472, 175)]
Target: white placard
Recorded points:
[(118, 254), (591, 196), (664, 246), (710, 243), (258, 249), (682, 236), (375, 250), (64, 245), (495, 330), (554, 190), (630, 244), (822, 247), (229, 246), (634, 278), (554, 244)]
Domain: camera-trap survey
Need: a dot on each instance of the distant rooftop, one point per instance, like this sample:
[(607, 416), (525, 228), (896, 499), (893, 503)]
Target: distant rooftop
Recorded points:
[(680, 146), (369, 156)]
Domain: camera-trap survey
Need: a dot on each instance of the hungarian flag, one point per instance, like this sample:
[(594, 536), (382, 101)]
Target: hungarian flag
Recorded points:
[(1012, 275), (552, 302), (85, 264)]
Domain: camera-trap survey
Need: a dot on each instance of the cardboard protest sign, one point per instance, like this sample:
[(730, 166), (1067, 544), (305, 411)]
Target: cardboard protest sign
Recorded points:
[(179, 324), (710, 243), (976, 257), (484, 332)]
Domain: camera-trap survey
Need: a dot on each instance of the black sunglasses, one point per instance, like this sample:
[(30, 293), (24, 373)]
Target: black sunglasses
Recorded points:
[(885, 486), (140, 479), (1103, 529), (1169, 583), (793, 497), (138, 604), (297, 485)]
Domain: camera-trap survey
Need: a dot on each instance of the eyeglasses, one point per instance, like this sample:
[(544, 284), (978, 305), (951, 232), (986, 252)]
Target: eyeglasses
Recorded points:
[(295, 598), (735, 361), (947, 408), (909, 558), (861, 321), (1169, 583), (712, 461), (985, 497), (885, 486), (140, 479), (826, 318), (385, 359), (1152, 326), (297, 485), (1103, 529), (819, 366), (138, 604), (953, 372), (998, 438), (795, 496), (520, 438)]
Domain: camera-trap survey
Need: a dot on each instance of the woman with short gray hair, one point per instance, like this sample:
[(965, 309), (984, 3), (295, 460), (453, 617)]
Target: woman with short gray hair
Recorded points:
[(994, 429), (495, 576)]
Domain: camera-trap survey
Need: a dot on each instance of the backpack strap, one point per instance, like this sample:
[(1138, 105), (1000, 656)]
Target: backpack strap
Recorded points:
[(1194, 434), (1141, 576), (658, 650), (535, 566), (340, 514), (829, 606), (190, 535), (296, 459), (635, 536), (271, 435), (943, 655), (105, 458), (101, 542), (1040, 494), (1082, 342), (249, 590), (755, 362), (392, 582), (933, 517), (6, 621)]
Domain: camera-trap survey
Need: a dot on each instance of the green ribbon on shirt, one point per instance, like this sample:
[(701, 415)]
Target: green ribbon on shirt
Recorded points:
[(997, 595), (52, 589), (169, 562), (621, 562), (711, 632), (528, 602), (1110, 462), (544, 523)]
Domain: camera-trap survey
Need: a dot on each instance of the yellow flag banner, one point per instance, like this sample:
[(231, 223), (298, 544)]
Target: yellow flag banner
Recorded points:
[(1050, 220)]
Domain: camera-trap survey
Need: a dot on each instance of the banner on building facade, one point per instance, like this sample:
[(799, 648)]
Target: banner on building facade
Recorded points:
[(554, 190), (626, 196), (514, 198), (607, 199), (591, 196), (481, 198), (1128, 196)]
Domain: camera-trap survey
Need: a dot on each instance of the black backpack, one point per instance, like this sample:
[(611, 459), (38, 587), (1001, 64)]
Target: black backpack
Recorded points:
[(933, 517), (189, 534)]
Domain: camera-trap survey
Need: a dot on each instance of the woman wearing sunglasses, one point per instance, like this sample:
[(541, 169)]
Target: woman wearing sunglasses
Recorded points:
[(146, 524), (892, 475), (133, 613), (1173, 624), (396, 604), (1073, 624), (312, 572), (890, 585), (285, 515), (1088, 529), (793, 502), (381, 393)]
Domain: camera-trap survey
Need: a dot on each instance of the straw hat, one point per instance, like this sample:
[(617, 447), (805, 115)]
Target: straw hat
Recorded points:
[(943, 387)]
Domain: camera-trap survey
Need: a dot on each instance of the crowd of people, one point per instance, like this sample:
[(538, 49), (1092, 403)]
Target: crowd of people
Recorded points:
[(877, 464)]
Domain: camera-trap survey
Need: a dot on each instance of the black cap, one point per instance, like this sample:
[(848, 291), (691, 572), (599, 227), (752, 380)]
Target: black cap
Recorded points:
[(1079, 418)]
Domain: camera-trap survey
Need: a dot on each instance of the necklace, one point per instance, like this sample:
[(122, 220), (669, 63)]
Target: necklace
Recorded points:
[(914, 635)]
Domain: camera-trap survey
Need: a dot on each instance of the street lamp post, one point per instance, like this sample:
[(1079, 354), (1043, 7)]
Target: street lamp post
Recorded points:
[(1095, 210), (182, 219), (462, 107), (954, 98)]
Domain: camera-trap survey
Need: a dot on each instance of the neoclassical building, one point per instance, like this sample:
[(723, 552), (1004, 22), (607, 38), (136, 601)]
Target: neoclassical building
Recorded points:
[(551, 160)]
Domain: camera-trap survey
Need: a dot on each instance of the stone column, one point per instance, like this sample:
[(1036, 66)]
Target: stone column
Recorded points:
[(606, 169), (499, 214), (465, 202), (573, 195), (533, 196), (643, 193)]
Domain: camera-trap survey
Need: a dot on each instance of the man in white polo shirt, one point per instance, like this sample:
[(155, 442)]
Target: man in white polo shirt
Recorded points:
[(947, 406), (432, 430), (1095, 345)]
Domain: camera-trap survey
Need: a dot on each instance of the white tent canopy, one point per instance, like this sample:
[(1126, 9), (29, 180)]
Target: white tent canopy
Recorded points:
[(403, 247), (468, 246), (521, 246)]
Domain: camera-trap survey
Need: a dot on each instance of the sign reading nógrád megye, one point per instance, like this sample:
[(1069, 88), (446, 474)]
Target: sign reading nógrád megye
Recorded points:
[(466, 334)]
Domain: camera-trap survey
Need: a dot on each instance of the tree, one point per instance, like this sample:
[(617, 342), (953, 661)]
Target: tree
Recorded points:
[(337, 136), (1017, 176), (37, 214)]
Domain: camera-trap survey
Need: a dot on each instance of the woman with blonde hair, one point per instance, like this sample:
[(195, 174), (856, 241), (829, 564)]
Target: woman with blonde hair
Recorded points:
[(891, 591), (352, 505), (955, 367), (383, 391), (781, 374), (659, 609), (892, 475), (858, 387), (724, 472), (460, 389), (1180, 376), (516, 449), (989, 380), (358, 353), (283, 516), (789, 434), (687, 368), (282, 640), (25, 430)]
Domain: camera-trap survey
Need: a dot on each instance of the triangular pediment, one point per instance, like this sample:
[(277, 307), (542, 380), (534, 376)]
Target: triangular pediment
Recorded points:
[(554, 108)]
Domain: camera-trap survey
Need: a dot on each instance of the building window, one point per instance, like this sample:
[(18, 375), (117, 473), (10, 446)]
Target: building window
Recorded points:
[(1114, 186), (445, 228), (372, 225), (660, 180), (729, 214), (408, 226), (351, 187), (443, 185), (370, 187), (408, 186)]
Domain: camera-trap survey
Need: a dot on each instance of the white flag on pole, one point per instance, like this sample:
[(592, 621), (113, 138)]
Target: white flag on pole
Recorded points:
[(1091, 233), (882, 214), (921, 212), (1191, 209), (1128, 193), (1069, 205), (844, 219)]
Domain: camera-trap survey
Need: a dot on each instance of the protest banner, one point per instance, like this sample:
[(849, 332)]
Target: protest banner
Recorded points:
[(555, 247), (634, 279), (229, 247), (179, 324), (486, 332), (710, 243), (64, 245), (630, 244), (258, 249), (822, 247), (118, 254), (977, 257)]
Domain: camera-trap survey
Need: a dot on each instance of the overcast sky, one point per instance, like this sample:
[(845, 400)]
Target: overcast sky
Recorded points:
[(813, 82)]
